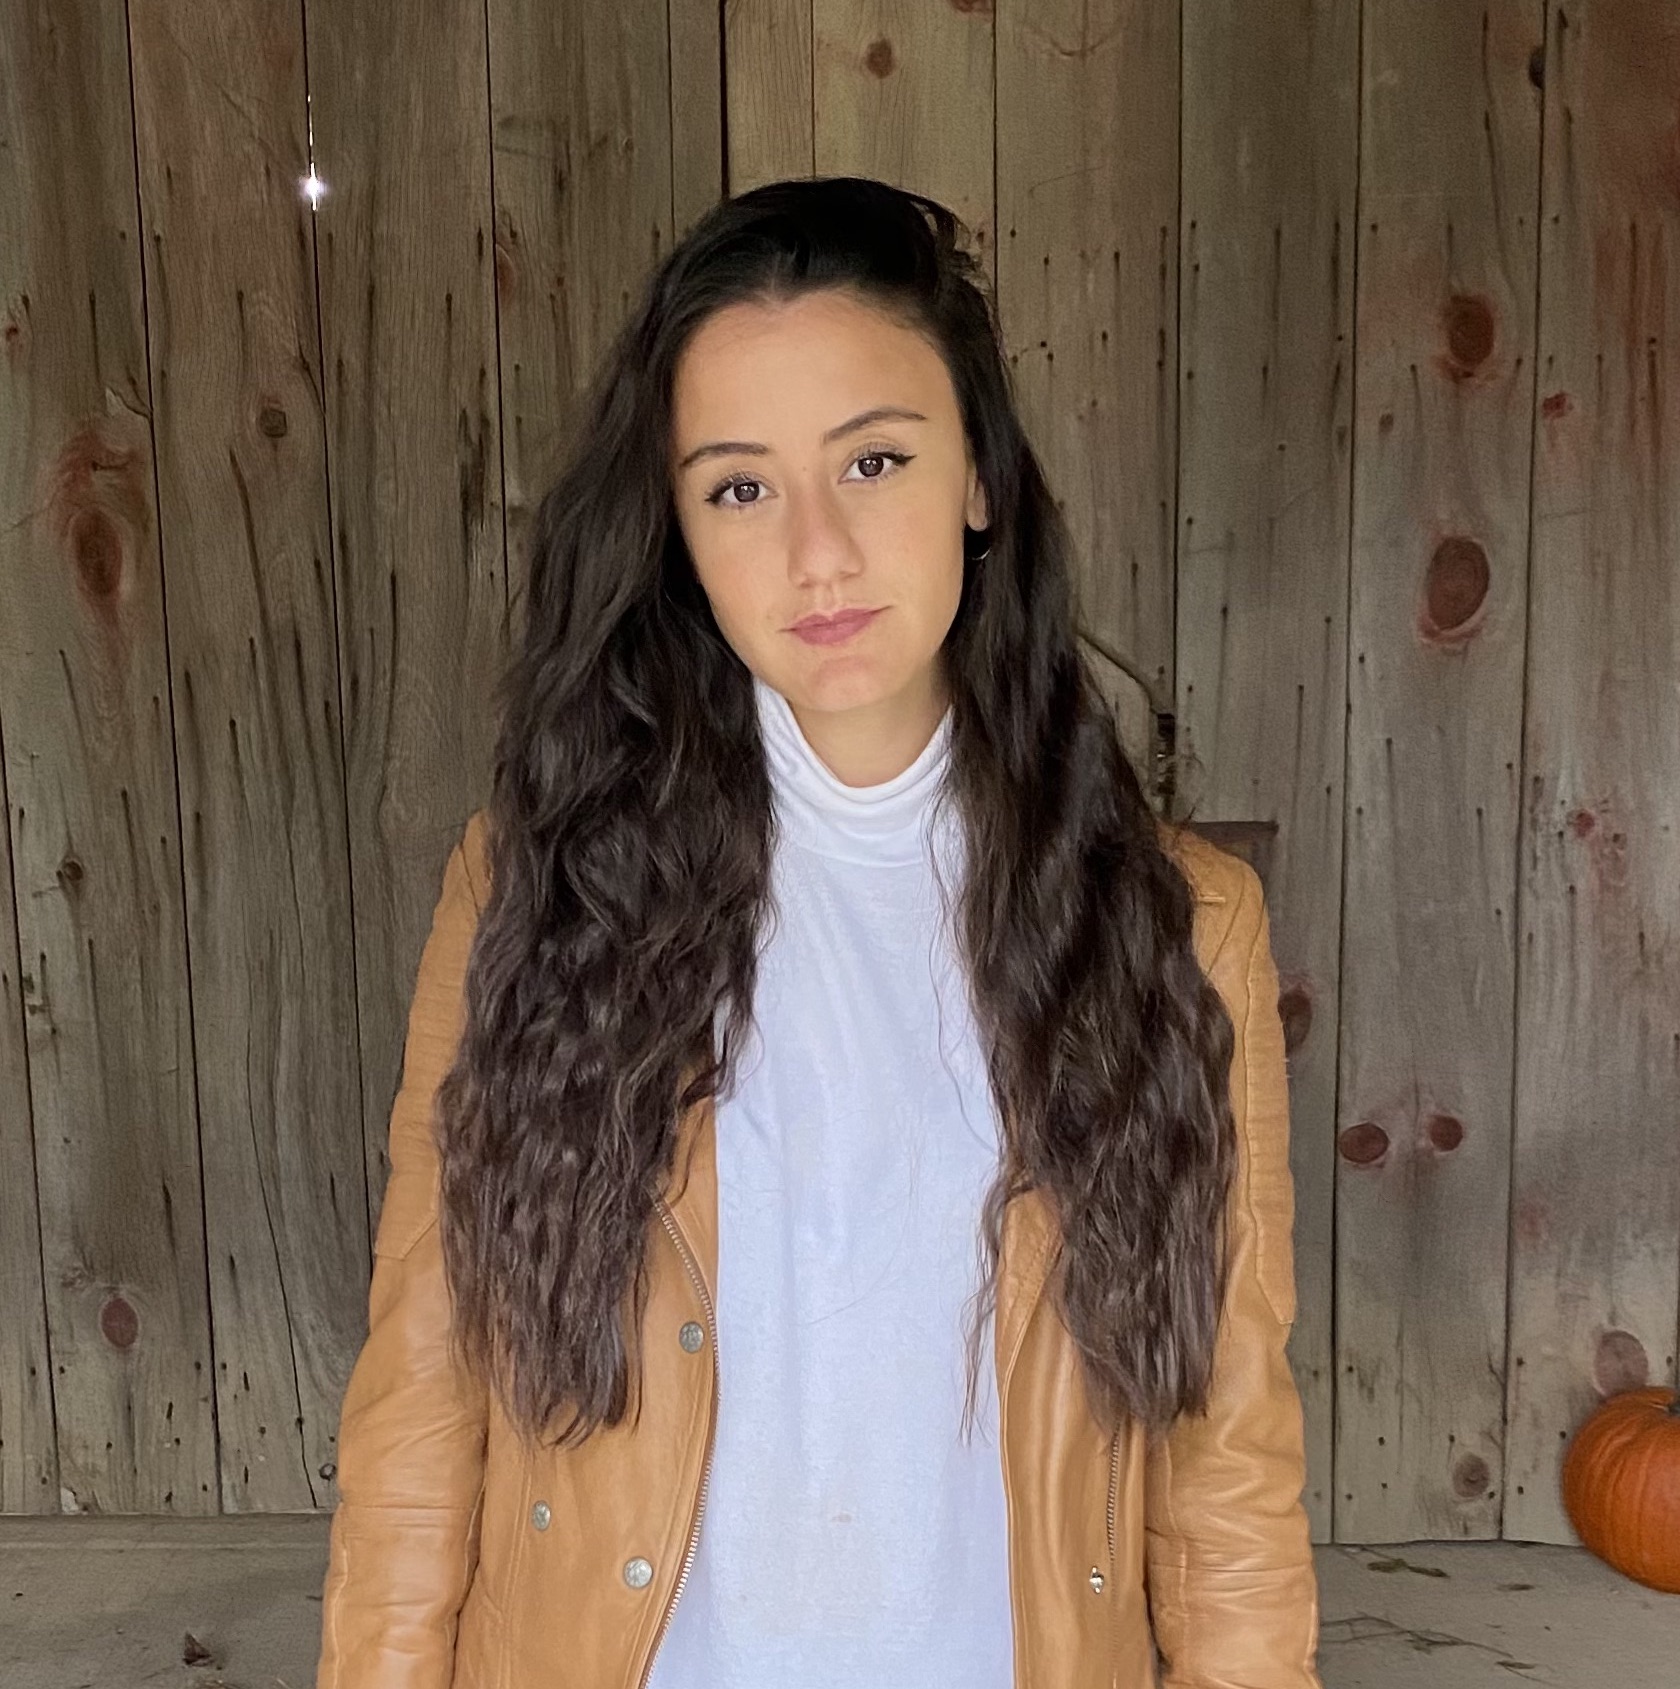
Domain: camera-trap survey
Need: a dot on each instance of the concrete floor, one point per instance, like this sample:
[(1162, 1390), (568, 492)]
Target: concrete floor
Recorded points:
[(91, 1603)]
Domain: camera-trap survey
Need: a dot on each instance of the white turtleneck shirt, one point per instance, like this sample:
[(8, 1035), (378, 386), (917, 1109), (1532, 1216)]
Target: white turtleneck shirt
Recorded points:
[(851, 1538)]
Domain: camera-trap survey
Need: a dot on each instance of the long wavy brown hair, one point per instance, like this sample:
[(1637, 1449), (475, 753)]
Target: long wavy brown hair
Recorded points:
[(610, 982)]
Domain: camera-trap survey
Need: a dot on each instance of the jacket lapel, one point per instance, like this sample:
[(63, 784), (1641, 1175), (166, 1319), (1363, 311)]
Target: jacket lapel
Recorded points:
[(1025, 1253)]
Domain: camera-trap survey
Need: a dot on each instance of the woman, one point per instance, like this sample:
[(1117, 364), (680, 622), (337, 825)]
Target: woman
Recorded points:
[(838, 1231)]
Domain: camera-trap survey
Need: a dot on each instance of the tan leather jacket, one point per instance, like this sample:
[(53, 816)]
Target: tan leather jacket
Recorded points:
[(458, 1561)]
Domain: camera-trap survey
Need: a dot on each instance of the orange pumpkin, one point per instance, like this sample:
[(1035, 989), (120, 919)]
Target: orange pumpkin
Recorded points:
[(1621, 1485)]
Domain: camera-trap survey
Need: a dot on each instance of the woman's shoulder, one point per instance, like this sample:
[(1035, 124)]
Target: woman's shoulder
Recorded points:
[(1228, 894), (475, 854), (1230, 902), (1216, 875)]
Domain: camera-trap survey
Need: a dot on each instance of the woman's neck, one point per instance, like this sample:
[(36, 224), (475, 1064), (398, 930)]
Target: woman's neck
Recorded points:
[(877, 742), (883, 821)]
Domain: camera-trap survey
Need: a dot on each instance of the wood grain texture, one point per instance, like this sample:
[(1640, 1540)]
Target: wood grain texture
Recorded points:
[(902, 91), (408, 332), (242, 503), (1447, 251), (696, 35), (767, 75), (1596, 1182), (582, 129), (28, 1447), (1265, 357), (95, 861), (1087, 216)]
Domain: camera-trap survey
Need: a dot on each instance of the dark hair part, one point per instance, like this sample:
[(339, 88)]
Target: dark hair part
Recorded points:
[(630, 835)]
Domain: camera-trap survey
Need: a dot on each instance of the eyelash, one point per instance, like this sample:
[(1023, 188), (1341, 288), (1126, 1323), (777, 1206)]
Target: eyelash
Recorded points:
[(899, 459)]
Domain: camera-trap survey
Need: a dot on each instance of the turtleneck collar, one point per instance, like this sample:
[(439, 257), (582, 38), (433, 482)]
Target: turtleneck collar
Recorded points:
[(881, 824)]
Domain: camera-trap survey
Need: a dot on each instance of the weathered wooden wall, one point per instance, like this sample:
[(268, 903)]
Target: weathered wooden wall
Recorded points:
[(1347, 330)]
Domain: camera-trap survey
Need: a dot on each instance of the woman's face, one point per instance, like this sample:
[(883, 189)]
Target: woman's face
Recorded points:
[(819, 464)]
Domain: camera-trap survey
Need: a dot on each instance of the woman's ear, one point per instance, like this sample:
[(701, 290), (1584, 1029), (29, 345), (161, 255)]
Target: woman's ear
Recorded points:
[(976, 514)]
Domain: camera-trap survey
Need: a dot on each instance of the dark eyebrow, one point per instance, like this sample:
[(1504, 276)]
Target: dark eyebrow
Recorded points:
[(727, 448)]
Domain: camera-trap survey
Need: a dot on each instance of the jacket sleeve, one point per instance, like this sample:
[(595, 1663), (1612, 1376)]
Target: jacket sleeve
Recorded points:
[(1233, 1595), (404, 1538)]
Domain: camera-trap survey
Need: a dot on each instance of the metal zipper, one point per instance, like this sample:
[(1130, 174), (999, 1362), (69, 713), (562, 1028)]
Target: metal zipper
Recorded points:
[(1113, 1498), (1113, 1560), (689, 1262)]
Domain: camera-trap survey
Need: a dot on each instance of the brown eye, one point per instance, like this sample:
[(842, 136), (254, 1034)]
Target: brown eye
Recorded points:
[(889, 463), (716, 495)]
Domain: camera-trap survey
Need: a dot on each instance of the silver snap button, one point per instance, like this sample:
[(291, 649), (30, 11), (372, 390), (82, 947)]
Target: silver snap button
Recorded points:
[(540, 1515), (692, 1335), (638, 1573), (1096, 1580)]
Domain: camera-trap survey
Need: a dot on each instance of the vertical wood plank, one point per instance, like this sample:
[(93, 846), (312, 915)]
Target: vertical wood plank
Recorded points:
[(696, 33), (1266, 377), (408, 329), (902, 91), (767, 73), (91, 810), (230, 275), (28, 1457), (582, 135), (1596, 1187), (1447, 254), (1087, 216)]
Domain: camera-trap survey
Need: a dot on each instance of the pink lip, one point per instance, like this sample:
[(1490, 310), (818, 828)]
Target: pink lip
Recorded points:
[(831, 630)]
